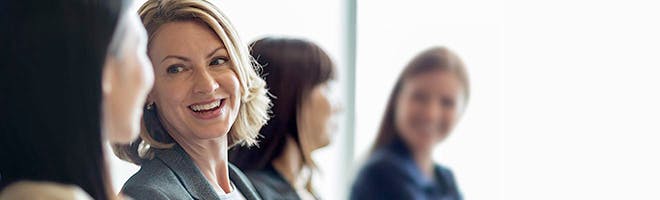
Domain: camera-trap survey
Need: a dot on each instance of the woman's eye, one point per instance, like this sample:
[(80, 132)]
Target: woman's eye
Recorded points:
[(175, 69), (218, 61), (449, 103), (419, 97)]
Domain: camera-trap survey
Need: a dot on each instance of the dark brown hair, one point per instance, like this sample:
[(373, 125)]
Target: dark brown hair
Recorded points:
[(50, 86), (292, 68), (436, 58)]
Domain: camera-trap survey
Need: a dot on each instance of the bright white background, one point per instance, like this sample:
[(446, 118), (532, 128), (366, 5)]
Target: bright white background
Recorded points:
[(565, 101)]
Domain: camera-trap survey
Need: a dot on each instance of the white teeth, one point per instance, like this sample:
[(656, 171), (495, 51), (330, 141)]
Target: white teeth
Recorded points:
[(205, 106)]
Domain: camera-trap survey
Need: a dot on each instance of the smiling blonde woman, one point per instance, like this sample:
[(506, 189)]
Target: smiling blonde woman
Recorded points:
[(207, 97)]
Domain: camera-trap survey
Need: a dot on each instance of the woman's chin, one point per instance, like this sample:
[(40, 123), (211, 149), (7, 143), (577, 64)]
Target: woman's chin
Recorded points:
[(124, 135), (210, 133), (322, 144)]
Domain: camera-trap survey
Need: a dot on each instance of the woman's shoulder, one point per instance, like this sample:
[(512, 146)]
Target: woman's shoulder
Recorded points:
[(444, 170), (270, 185), (265, 179), (154, 180), (383, 161), (152, 172), (382, 177), (445, 174), (43, 190)]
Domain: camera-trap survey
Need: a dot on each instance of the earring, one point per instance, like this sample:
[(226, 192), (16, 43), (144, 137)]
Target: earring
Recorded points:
[(143, 149), (150, 106)]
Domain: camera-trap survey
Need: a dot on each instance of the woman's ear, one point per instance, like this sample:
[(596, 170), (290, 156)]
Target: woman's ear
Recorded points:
[(109, 77), (150, 98)]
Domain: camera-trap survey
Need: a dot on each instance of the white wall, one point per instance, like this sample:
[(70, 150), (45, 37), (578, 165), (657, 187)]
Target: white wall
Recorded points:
[(565, 100)]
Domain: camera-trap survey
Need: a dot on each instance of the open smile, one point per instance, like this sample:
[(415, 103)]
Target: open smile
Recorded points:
[(208, 109)]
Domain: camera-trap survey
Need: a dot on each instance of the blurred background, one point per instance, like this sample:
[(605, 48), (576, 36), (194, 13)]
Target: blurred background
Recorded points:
[(565, 94)]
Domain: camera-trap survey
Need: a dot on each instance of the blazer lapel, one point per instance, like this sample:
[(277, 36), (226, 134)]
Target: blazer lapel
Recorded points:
[(242, 183), (187, 172)]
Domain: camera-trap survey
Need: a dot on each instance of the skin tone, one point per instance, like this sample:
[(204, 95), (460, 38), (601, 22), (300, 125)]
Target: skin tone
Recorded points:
[(127, 79), (197, 94), (315, 125), (428, 107)]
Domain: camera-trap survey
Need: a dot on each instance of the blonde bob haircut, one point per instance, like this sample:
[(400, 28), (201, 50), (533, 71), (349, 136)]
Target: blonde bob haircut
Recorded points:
[(255, 104)]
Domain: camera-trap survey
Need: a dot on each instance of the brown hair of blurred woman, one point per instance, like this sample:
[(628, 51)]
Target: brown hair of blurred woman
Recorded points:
[(292, 68)]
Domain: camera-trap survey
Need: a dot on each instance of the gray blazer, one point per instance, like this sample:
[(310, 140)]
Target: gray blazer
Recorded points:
[(173, 175), (271, 185)]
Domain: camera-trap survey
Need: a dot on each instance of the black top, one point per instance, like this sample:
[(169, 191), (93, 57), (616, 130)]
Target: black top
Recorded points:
[(270, 184), (391, 173), (173, 175)]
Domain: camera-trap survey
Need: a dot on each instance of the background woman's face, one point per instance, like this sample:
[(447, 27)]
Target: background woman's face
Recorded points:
[(196, 91), (428, 107), (315, 120), (128, 79)]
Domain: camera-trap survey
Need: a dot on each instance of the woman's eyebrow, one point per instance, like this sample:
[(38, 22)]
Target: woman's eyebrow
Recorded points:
[(175, 57), (215, 50)]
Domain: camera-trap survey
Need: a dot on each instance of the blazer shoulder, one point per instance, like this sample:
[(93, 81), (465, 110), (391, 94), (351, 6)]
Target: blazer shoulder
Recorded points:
[(445, 171), (383, 163), (270, 185), (383, 176), (377, 169), (446, 175), (152, 173), (243, 183), (154, 180), (145, 192)]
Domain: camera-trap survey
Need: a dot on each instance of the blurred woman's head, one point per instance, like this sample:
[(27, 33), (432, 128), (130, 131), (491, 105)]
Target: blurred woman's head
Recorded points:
[(127, 79), (297, 73), (427, 101), (61, 78), (206, 86)]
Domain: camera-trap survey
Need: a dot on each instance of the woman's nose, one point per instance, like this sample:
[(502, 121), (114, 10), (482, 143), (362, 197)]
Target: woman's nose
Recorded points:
[(204, 83), (432, 111)]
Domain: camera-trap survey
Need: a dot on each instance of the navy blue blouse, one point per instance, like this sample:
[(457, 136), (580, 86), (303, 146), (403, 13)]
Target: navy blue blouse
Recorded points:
[(391, 173)]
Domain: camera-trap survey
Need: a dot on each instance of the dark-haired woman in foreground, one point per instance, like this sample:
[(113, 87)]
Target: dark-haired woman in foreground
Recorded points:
[(76, 75), (428, 99), (297, 73)]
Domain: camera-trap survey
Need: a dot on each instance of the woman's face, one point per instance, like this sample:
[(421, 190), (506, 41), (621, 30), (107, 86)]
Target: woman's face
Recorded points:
[(127, 79), (316, 120), (196, 91), (427, 108)]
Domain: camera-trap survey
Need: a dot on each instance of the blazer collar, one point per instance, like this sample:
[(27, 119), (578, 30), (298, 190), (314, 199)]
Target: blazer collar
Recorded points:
[(242, 183), (187, 172), (400, 153), (194, 181)]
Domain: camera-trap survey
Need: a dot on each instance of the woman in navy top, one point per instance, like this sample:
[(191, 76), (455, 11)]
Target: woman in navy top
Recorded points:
[(427, 101)]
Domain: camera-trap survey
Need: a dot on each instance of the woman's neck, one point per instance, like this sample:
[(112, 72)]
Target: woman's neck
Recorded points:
[(424, 160), (210, 156), (107, 149), (290, 163)]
